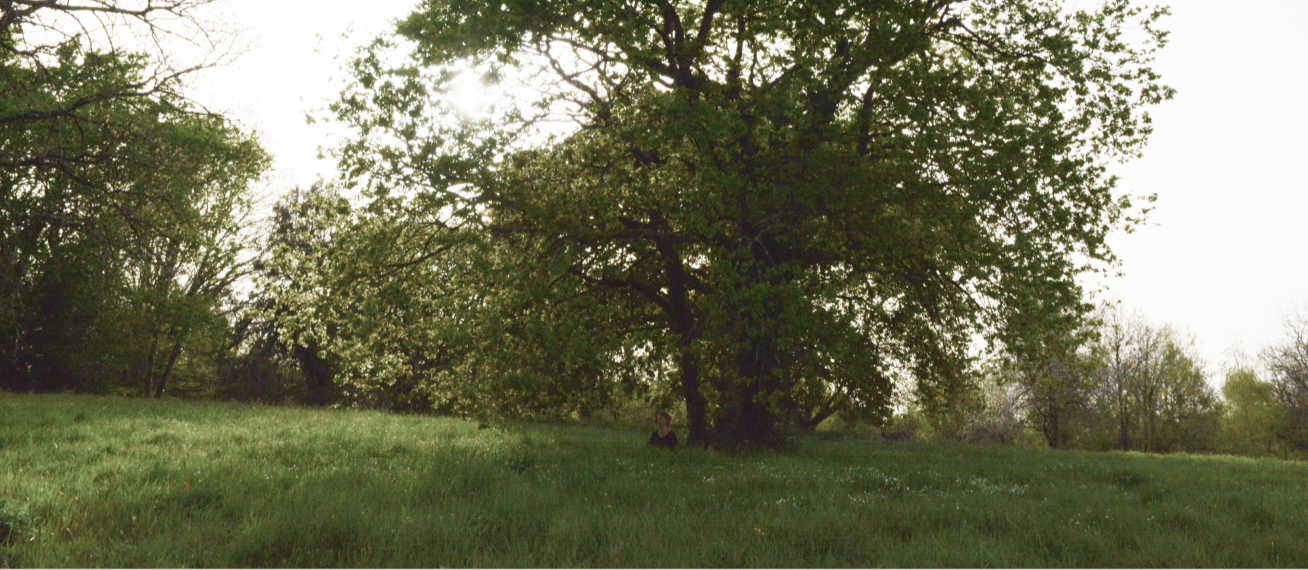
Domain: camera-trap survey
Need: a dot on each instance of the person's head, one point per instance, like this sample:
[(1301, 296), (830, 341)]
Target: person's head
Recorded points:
[(664, 420)]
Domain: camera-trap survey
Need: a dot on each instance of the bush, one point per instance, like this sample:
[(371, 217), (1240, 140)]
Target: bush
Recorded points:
[(912, 426)]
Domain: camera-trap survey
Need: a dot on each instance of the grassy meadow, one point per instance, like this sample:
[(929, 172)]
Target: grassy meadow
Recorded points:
[(91, 481)]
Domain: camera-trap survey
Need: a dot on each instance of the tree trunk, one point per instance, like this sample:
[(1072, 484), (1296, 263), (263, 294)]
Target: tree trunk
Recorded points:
[(811, 423), (1124, 432), (149, 366), (745, 420), (682, 316), (1052, 435), (172, 359), (696, 409), (317, 374), (744, 423)]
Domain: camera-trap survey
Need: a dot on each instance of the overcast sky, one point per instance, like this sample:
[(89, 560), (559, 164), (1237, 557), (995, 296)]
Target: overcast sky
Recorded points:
[(1222, 257)]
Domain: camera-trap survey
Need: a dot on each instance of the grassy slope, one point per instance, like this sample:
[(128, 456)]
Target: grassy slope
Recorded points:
[(118, 482)]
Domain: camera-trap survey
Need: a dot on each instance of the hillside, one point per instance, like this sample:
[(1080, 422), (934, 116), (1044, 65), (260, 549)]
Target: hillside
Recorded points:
[(89, 481)]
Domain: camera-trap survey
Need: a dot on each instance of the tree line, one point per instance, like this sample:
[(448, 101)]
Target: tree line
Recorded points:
[(1138, 386), (774, 215)]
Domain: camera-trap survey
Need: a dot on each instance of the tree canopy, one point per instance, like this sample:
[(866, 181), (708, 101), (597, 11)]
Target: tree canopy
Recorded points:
[(121, 203), (805, 201)]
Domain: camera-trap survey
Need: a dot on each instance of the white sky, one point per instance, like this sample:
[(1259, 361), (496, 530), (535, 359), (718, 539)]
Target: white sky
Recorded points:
[(1222, 257), (1226, 256)]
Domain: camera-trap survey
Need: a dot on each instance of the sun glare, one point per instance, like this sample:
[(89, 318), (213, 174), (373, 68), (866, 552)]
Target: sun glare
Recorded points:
[(468, 95)]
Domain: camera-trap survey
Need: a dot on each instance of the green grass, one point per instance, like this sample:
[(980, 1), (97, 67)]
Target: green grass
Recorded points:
[(88, 481)]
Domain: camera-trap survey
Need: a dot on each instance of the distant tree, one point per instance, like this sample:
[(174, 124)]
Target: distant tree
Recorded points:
[(1152, 393), (1114, 397), (1287, 364), (184, 270), (997, 412), (1053, 380), (1182, 410), (1254, 418), (293, 273), (1053, 394), (803, 199)]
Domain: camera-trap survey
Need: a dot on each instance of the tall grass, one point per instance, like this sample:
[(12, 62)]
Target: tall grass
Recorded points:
[(88, 481)]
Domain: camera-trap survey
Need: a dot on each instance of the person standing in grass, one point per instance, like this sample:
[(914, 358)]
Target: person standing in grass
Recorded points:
[(664, 437)]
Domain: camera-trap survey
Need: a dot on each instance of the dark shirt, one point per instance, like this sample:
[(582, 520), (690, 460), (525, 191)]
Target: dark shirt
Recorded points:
[(669, 442)]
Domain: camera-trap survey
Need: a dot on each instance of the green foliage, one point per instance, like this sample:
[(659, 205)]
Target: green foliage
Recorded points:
[(121, 212), (998, 414), (1150, 392), (788, 206), (1054, 392), (1117, 383), (1253, 418), (14, 523), (909, 426), (137, 483), (287, 318), (406, 322), (1287, 363)]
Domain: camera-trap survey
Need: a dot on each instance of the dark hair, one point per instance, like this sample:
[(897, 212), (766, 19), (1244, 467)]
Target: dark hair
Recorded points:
[(664, 415)]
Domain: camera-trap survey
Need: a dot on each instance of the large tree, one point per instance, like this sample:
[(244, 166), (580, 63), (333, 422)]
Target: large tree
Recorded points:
[(121, 202), (807, 199)]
